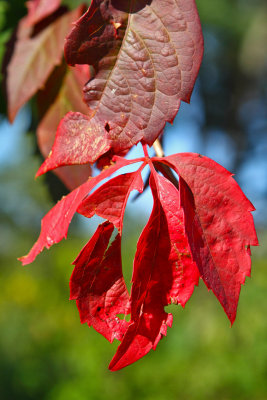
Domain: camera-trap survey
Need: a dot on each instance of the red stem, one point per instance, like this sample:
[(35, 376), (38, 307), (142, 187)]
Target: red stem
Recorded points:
[(145, 150)]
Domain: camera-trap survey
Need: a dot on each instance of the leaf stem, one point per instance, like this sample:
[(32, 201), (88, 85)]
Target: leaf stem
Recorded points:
[(158, 148), (163, 168), (145, 150)]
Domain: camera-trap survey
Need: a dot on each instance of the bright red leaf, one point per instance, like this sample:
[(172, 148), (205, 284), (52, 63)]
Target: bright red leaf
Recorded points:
[(218, 223), (56, 222), (203, 229), (98, 286), (151, 66), (75, 139), (109, 201), (164, 272)]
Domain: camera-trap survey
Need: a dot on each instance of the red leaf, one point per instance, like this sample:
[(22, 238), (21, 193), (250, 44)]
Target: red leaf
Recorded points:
[(75, 140), (56, 222), (98, 286), (109, 201), (219, 225), (164, 272), (151, 66), (34, 59), (93, 36), (184, 272), (69, 98), (40, 9)]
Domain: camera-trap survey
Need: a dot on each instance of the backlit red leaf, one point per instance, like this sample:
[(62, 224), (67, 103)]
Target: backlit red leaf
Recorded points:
[(34, 59), (218, 223), (109, 201), (152, 65), (98, 286), (179, 285), (164, 272), (75, 140), (56, 222)]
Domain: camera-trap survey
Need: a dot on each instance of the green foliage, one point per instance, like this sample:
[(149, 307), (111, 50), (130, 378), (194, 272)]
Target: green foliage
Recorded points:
[(4, 34), (73, 3), (45, 353)]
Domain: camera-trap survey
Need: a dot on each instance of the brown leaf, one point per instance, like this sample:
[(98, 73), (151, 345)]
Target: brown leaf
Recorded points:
[(146, 68)]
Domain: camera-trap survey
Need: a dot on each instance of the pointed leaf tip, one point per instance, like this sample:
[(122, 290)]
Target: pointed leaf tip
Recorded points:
[(109, 201), (56, 222)]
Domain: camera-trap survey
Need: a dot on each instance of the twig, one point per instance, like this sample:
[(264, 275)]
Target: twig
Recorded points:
[(158, 148), (163, 168)]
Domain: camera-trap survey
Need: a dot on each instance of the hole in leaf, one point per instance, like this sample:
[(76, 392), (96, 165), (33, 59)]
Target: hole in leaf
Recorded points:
[(107, 127), (124, 317)]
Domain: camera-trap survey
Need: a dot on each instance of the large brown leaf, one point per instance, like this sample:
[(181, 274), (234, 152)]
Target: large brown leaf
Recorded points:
[(147, 55)]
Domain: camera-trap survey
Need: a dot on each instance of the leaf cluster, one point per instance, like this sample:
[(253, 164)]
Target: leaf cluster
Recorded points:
[(135, 62)]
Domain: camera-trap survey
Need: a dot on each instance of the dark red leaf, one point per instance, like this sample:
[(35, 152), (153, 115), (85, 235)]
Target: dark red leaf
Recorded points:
[(40, 9), (98, 286), (55, 224), (164, 272), (151, 66), (93, 36), (219, 225), (69, 98), (34, 59), (109, 201)]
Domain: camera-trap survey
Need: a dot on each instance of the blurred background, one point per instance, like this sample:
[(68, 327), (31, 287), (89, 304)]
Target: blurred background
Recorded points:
[(44, 350)]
